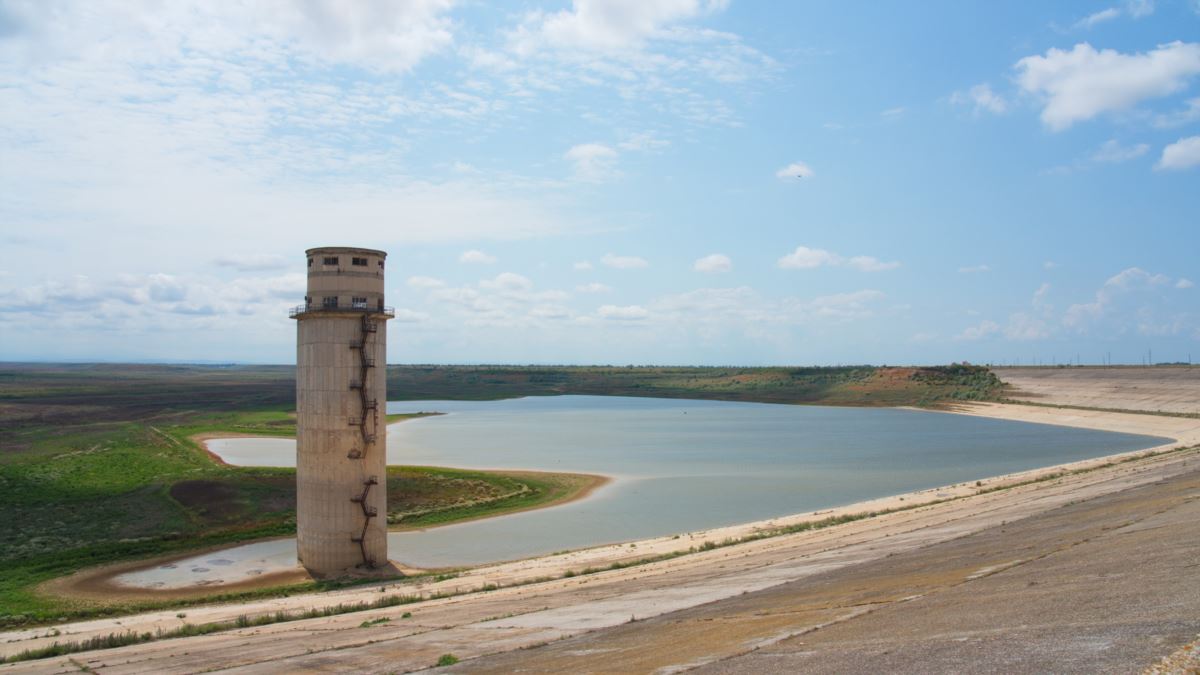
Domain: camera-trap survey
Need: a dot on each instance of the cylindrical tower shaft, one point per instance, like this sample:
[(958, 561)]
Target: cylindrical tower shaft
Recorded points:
[(341, 398)]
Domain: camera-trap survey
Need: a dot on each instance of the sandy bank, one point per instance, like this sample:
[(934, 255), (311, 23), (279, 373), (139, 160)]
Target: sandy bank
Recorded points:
[(1185, 430), (584, 486)]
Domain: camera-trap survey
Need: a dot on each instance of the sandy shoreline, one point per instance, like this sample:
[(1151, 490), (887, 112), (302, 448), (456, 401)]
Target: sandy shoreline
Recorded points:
[(939, 504)]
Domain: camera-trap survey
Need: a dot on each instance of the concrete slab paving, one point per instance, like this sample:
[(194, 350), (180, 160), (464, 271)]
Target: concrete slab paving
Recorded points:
[(1107, 584)]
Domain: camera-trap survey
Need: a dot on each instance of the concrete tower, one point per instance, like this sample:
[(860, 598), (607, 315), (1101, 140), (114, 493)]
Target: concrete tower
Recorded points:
[(341, 393)]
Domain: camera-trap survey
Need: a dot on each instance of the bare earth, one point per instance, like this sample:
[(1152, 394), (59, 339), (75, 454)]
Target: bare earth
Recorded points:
[(1091, 571)]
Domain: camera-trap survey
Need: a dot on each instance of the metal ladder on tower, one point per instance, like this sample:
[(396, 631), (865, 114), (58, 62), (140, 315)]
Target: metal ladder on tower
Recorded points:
[(368, 512), (369, 410)]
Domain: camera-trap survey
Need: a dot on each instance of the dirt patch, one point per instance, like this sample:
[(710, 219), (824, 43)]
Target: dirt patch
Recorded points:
[(210, 500)]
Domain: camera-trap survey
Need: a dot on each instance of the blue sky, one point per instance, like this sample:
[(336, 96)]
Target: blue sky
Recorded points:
[(653, 181)]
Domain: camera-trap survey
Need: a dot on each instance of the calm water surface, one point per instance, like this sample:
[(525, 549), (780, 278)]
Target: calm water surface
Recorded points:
[(680, 465)]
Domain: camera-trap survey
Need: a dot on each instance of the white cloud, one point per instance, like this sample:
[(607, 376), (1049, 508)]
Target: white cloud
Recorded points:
[(1184, 283), (133, 115), (425, 282), (1135, 277), (648, 52), (1189, 114), (1024, 327), (386, 36), (594, 162), (1107, 299), (983, 329), (794, 170), (507, 281), (474, 257), (380, 36), (593, 287), (1113, 152), (1082, 83), (1098, 17), (1109, 152), (808, 258), (607, 25), (981, 98), (712, 264), (624, 262), (1021, 326), (1050, 265), (508, 300), (642, 142), (866, 263), (133, 302), (744, 308), (626, 313), (893, 112), (252, 262), (553, 312), (842, 306), (1182, 154), (1139, 8), (1039, 297), (582, 266), (974, 269)]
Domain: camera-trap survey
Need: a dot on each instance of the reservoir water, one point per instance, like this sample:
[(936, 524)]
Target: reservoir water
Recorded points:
[(679, 466)]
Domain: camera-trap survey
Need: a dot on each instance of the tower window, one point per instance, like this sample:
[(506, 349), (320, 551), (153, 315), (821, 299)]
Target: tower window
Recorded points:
[(331, 260), (359, 262), (329, 301), (380, 264), (310, 262), (358, 303)]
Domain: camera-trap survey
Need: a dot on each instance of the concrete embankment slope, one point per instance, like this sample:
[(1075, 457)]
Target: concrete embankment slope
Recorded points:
[(1171, 389), (1105, 584), (805, 582)]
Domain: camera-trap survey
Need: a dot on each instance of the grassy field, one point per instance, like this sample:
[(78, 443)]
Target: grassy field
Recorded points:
[(846, 385), (98, 462)]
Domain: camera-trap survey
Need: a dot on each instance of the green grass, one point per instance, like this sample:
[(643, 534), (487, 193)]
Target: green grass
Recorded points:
[(843, 385)]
